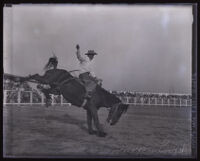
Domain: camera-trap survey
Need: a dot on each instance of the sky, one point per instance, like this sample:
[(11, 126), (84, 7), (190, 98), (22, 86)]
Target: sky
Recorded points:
[(144, 48)]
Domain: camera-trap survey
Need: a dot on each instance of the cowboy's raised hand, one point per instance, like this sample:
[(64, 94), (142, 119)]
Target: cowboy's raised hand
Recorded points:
[(77, 46)]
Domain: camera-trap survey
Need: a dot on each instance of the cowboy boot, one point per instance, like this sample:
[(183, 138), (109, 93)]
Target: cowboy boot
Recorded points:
[(84, 102), (87, 97)]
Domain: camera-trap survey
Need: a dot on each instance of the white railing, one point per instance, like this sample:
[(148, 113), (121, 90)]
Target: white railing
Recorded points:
[(18, 97), (30, 97), (148, 98), (157, 101)]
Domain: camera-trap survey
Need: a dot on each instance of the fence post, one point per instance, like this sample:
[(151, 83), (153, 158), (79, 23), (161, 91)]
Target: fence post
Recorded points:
[(180, 102), (31, 97), (61, 99), (42, 95), (19, 97), (52, 98), (134, 100), (4, 96), (127, 99), (174, 101)]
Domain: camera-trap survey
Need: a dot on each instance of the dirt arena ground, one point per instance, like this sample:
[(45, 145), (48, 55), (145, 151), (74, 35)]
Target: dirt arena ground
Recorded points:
[(144, 131)]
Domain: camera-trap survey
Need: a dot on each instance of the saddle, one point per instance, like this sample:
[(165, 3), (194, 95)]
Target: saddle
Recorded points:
[(84, 77)]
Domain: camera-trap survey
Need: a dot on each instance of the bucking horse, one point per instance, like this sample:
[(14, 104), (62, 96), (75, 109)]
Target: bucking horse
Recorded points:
[(73, 90)]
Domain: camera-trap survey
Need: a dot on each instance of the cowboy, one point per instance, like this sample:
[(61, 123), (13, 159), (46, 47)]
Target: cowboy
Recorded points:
[(87, 74)]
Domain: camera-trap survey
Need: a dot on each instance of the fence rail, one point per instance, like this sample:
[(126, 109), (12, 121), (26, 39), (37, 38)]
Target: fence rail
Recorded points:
[(13, 97), (31, 97), (157, 101)]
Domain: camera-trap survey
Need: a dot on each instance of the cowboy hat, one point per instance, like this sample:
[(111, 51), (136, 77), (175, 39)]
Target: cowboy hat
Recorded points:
[(90, 52)]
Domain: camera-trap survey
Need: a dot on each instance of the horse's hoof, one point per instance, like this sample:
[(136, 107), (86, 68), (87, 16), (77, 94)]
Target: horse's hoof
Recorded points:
[(102, 134)]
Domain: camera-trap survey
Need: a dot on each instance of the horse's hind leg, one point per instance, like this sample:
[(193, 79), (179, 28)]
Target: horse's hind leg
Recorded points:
[(48, 102), (89, 122), (48, 97), (100, 131)]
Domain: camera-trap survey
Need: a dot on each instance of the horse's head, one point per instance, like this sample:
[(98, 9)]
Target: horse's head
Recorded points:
[(116, 112)]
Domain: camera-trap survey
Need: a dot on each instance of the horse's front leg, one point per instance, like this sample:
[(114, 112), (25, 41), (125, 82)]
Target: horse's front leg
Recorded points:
[(100, 131), (39, 78), (89, 122), (27, 78)]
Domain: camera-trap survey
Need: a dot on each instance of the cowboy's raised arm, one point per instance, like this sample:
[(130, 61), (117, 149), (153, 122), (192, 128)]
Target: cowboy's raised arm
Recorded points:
[(80, 58)]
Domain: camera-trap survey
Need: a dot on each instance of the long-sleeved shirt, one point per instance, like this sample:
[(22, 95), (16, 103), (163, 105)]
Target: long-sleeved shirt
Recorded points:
[(86, 65)]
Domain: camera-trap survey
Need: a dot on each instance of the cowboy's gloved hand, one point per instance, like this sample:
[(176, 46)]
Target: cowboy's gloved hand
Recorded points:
[(77, 47)]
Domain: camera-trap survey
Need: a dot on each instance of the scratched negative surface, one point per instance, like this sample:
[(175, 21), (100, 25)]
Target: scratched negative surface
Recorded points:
[(143, 57)]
